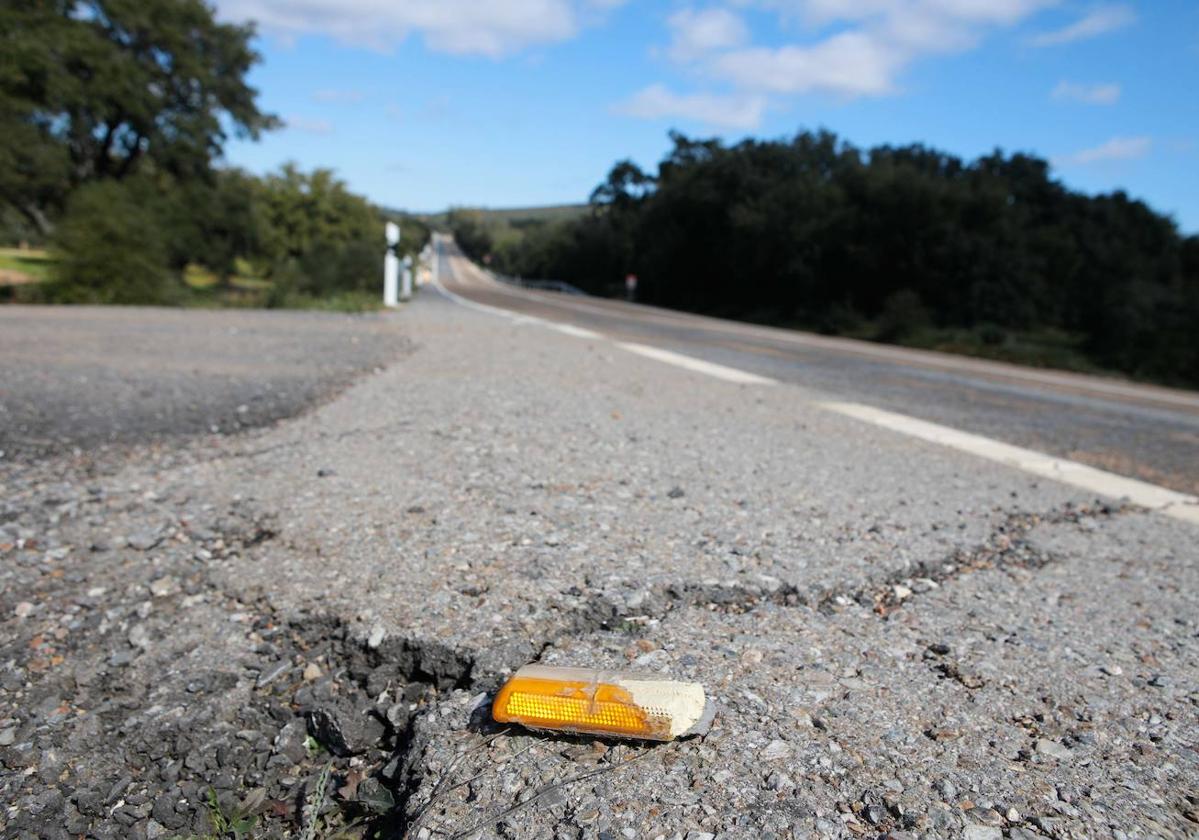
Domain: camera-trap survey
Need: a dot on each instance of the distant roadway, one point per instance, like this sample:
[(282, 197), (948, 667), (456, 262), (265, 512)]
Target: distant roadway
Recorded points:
[(1141, 431)]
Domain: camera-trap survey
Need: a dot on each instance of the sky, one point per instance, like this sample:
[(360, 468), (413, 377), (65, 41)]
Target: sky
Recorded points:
[(426, 104)]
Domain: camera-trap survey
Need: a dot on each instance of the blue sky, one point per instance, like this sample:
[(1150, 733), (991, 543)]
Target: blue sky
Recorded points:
[(423, 104)]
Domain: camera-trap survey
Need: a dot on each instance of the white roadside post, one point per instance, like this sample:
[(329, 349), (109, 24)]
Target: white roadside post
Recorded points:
[(424, 265), (406, 280), (391, 265)]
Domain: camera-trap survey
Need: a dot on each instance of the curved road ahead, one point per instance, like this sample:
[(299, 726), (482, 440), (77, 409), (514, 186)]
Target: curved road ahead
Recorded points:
[(1140, 431)]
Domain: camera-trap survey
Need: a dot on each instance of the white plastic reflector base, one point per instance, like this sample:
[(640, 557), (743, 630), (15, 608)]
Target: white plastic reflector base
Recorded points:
[(612, 703)]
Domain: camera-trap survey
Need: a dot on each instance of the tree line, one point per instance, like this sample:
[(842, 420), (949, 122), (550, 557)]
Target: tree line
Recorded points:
[(895, 243), (114, 115)]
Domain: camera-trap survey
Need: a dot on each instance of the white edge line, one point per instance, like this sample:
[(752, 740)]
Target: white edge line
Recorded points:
[(514, 317), (469, 304), (1178, 505), (697, 365), (577, 332), (962, 365)]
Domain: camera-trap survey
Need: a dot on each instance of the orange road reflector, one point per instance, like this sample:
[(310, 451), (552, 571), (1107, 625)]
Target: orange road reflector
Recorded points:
[(612, 703)]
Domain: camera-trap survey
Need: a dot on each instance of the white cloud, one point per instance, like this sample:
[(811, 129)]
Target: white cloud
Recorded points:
[(1099, 22), (1118, 148), (698, 33), (338, 96), (309, 126), (850, 64), (1107, 94), (659, 102), (463, 27), (861, 47), (823, 12), (847, 48)]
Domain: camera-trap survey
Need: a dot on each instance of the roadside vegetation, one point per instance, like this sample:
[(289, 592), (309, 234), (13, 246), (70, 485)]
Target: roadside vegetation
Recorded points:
[(909, 245), (113, 118), (502, 230)]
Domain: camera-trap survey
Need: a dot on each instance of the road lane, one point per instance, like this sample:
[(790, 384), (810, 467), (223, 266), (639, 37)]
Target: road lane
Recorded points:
[(1140, 431)]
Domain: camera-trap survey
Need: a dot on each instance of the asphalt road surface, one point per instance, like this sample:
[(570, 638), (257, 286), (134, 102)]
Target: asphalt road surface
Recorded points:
[(86, 377), (1144, 432), (305, 622)]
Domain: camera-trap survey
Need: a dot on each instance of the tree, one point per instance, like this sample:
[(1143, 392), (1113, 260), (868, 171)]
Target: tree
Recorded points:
[(625, 186), (94, 89), (303, 211), (471, 233), (111, 246), (894, 243)]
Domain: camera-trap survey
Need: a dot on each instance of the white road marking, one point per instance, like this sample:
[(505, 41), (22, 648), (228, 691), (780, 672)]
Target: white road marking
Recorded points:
[(699, 366), (514, 317), (469, 304), (577, 332), (1178, 505), (1089, 385)]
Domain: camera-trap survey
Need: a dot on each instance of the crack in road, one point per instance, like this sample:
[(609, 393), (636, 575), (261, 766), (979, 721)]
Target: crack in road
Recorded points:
[(1006, 548)]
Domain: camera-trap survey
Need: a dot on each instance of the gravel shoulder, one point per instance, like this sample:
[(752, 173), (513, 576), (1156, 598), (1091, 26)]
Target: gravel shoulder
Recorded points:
[(303, 623), (94, 378)]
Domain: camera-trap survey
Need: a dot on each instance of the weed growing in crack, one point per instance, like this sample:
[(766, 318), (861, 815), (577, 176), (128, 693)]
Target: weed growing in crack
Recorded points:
[(237, 823), (312, 809)]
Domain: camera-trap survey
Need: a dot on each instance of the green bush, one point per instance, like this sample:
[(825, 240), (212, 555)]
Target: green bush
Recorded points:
[(110, 248), (904, 313)]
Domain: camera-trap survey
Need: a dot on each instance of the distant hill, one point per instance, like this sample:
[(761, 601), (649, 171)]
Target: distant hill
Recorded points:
[(508, 226), (513, 216)]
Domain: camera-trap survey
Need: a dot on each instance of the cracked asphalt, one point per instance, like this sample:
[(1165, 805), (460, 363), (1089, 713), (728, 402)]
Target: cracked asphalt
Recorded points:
[(903, 640)]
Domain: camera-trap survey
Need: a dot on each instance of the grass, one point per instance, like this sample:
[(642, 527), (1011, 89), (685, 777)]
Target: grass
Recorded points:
[(1044, 347), (260, 294), (239, 821), (23, 270), (1048, 348), (199, 288), (236, 822), (19, 265), (237, 295), (312, 809), (198, 277)]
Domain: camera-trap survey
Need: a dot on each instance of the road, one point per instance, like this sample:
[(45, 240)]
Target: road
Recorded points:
[(903, 637), (1145, 432), (86, 377)]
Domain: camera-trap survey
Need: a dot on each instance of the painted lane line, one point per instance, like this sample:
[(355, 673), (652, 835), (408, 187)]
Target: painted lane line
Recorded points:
[(1094, 387), (514, 317), (728, 374), (469, 304), (1178, 505), (1174, 504), (571, 329)]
